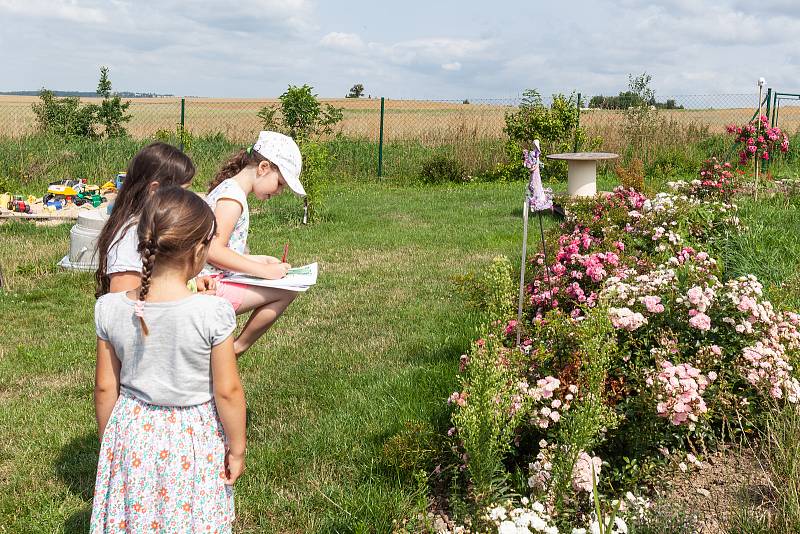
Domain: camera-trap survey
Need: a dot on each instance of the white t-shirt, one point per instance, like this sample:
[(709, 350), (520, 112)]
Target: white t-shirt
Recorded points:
[(172, 365), (123, 256), (231, 189)]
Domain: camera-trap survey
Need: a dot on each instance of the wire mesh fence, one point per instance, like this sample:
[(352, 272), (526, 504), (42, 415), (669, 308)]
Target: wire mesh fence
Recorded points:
[(404, 133)]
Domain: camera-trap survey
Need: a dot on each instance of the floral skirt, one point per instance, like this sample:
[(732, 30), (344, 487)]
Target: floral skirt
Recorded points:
[(162, 469)]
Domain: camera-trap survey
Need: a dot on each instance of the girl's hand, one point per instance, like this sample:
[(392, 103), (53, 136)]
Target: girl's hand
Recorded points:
[(206, 284), (274, 271), (264, 259), (234, 467)]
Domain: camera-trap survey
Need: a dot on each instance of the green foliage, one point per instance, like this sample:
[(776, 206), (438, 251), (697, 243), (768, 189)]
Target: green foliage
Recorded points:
[(491, 291), (442, 169), (64, 117), (642, 122), (779, 457), (357, 91), (301, 115), (180, 136), (580, 427), (485, 425), (499, 290), (317, 162), (638, 95), (556, 127), (111, 112)]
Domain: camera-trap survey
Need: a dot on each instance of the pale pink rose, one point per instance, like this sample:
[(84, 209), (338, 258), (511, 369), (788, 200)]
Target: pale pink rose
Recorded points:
[(701, 321)]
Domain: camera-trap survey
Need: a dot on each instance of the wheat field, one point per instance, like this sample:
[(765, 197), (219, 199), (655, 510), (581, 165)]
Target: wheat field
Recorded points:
[(426, 122)]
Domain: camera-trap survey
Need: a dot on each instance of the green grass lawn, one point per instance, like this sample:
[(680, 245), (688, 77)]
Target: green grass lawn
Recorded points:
[(375, 345)]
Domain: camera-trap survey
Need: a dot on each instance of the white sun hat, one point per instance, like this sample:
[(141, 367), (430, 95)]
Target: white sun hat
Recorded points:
[(282, 151)]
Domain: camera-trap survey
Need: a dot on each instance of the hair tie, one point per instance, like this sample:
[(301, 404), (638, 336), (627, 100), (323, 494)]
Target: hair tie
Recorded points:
[(138, 308), (250, 150)]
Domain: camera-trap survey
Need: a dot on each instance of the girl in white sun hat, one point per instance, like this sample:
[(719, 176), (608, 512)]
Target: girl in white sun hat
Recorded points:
[(262, 170)]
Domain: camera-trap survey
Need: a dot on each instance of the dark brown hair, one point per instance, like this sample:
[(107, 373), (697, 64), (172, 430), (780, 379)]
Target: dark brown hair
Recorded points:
[(157, 162), (244, 158), (171, 225)]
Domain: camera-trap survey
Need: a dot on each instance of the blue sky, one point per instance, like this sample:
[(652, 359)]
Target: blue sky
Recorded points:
[(411, 49)]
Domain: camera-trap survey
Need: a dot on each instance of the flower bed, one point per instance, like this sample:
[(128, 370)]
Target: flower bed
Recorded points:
[(638, 355)]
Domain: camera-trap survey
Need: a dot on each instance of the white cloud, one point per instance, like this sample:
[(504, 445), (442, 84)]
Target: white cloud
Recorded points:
[(344, 41), (58, 9), (257, 47)]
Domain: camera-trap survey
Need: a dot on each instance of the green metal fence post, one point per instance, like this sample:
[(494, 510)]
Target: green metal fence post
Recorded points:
[(578, 124), (380, 145), (769, 101), (183, 113)]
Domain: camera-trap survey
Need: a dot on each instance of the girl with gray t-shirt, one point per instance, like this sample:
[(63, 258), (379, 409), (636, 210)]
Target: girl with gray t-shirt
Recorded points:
[(168, 399)]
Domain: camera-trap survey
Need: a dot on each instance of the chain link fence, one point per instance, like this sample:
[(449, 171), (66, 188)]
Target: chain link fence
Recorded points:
[(395, 136)]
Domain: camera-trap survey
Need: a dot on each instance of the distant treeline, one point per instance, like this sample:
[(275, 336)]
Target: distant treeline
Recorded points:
[(629, 99), (84, 94)]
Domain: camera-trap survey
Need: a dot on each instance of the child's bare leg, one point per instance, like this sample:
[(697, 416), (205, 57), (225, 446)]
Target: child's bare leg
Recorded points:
[(267, 304)]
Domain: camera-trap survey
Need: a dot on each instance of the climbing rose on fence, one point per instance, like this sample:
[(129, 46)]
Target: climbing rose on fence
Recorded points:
[(758, 139)]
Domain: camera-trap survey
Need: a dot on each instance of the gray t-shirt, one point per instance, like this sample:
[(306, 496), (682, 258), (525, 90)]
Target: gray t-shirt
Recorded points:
[(172, 365)]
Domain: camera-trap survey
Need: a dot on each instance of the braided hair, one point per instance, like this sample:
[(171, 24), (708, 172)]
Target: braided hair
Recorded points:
[(170, 228)]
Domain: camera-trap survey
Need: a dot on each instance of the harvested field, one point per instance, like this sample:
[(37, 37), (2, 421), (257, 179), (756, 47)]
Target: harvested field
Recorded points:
[(427, 122)]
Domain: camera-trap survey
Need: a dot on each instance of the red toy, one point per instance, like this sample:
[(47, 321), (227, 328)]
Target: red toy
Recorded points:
[(19, 205)]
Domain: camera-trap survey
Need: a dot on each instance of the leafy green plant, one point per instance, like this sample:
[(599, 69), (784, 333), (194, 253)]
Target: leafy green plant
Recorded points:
[(317, 162), (181, 136), (484, 422), (442, 169), (64, 117), (300, 114), (111, 112), (555, 126), (491, 290)]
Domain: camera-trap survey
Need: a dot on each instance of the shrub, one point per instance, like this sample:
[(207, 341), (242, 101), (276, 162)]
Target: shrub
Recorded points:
[(64, 117), (442, 169), (300, 114), (556, 127)]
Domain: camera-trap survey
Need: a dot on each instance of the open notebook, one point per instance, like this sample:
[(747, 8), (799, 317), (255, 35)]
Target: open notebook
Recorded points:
[(298, 279)]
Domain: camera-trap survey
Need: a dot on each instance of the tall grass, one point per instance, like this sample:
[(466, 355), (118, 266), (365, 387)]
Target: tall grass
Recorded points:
[(778, 446)]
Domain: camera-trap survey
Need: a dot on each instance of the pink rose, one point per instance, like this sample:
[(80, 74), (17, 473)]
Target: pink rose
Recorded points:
[(701, 321)]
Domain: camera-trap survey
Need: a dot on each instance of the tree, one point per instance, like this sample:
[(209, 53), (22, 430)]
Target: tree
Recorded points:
[(111, 112), (357, 91)]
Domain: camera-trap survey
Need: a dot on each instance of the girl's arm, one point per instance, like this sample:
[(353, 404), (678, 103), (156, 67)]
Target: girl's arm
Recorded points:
[(229, 397), (124, 281), (106, 384), (227, 213)]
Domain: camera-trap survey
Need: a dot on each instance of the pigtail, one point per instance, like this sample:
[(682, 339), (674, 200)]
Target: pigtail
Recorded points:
[(232, 167)]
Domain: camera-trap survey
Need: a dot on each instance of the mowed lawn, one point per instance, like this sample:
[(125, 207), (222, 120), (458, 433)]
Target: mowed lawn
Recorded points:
[(373, 346)]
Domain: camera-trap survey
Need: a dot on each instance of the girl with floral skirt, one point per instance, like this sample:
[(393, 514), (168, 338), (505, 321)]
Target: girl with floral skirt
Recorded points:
[(169, 403)]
